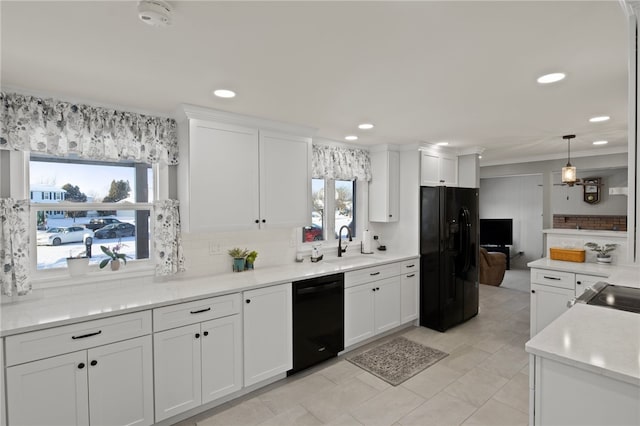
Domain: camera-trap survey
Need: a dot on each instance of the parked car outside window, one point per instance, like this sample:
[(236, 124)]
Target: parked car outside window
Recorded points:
[(99, 222), (63, 234), (116, 230)]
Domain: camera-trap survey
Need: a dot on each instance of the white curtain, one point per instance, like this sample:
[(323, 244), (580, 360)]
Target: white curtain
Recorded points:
[(341, 163), (167, 244), (61, 128), (14, 246)]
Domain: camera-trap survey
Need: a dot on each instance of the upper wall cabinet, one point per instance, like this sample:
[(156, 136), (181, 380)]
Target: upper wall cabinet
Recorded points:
[(239, 173), (384, 188), (438, 168)]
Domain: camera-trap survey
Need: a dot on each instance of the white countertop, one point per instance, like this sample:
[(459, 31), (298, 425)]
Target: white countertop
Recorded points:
[(82, 305), (626, 275), (586, 232), (598, 339)]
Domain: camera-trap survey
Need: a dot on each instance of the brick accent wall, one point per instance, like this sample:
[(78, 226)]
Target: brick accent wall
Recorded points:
[(579, 221)]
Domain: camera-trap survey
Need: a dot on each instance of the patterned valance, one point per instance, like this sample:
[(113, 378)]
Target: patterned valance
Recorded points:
[(336, 162), (60, 128)]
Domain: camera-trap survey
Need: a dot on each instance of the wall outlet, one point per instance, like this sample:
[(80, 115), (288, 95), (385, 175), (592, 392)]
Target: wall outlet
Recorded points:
[(520, 253), (214, 248)]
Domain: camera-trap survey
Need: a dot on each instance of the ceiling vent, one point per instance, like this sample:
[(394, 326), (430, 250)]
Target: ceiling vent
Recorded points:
[(156, 13)]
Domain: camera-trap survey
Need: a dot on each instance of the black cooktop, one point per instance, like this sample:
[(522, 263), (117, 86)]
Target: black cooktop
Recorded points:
[(618, 297)]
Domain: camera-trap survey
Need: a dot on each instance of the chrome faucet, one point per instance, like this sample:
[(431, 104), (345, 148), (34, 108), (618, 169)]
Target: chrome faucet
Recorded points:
[(340, 249)]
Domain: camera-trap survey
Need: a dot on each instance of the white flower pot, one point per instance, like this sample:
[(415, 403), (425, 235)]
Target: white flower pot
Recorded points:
[(77, 266), (603, 259)]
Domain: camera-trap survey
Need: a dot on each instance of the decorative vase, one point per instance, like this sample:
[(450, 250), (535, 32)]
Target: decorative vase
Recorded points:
[(115, 265), (603, 259), (248, 265), (238, 264), (77, 266)]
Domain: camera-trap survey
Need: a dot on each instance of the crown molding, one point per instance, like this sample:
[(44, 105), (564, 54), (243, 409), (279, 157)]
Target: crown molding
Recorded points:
[(194, 112)]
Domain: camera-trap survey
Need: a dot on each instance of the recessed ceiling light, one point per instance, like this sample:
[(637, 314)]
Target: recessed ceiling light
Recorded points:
[(442, 143), (351, 138), (599, 119), (551, 78), (601, 142), (224, 93), (365, 126)]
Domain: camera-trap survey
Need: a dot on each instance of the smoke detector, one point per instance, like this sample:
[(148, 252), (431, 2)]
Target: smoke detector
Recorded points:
[(156, 13)]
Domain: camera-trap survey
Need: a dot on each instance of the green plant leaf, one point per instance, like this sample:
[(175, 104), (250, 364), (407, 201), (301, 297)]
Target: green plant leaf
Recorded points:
[(104, 263)]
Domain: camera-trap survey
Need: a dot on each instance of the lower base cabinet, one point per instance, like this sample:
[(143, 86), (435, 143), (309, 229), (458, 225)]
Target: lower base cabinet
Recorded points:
[(370, 309), (196, 364), (268, 332), (105, 385), (547, 304)]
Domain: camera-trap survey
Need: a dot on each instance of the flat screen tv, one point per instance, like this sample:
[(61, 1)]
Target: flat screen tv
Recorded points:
[(496, 232)]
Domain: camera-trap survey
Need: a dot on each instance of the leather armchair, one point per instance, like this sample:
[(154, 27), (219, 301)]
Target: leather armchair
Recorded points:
[(492, 267)]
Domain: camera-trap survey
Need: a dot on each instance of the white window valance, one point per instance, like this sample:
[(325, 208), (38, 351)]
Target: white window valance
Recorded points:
[(61, 128), (336, 162)]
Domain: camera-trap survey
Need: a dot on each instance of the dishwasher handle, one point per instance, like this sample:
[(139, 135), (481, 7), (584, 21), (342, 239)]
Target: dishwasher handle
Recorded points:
[(318, 288)]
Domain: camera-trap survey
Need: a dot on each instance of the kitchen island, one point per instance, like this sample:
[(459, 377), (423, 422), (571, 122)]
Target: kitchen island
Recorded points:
[(585, 364)]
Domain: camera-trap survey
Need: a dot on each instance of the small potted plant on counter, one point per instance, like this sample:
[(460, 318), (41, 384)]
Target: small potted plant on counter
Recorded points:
[(251, 258), (114, 256), (602, 251), (239, 256)]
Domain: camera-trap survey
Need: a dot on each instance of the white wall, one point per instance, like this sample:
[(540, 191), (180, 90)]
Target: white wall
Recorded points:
[(519, 198), (570, 200)]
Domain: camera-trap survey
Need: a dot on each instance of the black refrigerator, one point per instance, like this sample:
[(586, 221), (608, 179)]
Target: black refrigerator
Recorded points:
[(449, 238)]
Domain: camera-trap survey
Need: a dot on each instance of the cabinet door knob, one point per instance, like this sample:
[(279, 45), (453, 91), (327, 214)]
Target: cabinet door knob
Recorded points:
[(81, 366), (390, 215), (264, 220), (533, 291), (248, 301), (377, 288), (206, 333), (94, 363), (257, 221), (197, 335), (578, 282)]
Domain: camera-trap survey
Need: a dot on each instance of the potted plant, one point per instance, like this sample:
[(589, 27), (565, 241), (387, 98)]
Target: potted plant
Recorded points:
[(78, 264), (251, 258), (114, 256), (239, 256), (602, 251)]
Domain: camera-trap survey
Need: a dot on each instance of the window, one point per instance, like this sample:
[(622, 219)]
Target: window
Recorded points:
[(331, 212), (88, 204)]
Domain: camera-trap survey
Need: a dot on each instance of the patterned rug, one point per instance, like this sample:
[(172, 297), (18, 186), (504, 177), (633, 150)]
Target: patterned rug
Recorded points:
[(397, 360)]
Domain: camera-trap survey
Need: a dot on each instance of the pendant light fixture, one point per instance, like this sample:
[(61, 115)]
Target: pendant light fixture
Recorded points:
[(569, 171)]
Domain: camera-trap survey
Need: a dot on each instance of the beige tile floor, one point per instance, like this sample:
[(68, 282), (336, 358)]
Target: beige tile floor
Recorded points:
[(483, 381)]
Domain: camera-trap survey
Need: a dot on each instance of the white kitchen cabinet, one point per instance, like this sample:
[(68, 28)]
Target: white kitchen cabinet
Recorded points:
[(410, 291), (268, 332), (547, 304), (438, 168), (197, 353), (3, 408), (196, 364), (106, 385), (585, 281), (384, 187), (370, 309), (285, 180), (237, 173), (95, 372)]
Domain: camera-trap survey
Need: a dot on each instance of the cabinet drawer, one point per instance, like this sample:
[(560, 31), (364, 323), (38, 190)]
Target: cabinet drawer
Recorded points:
[(410, 266), (374, 273), (70, 338), (553, 278), (191, 312)]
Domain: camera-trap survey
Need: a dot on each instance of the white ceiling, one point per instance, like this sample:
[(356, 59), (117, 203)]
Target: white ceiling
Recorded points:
[(464, 72)]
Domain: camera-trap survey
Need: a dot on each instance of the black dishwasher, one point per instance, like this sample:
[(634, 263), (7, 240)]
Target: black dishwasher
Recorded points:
[(318, 320)]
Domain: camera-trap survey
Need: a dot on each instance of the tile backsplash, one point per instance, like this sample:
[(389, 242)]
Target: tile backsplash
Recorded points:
[(595, 222)]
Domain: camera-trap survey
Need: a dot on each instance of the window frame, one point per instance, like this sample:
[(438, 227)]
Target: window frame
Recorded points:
[(361, 196), (19, 188)]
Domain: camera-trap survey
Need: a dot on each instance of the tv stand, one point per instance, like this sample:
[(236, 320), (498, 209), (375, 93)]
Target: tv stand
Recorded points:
[(500, 249)]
